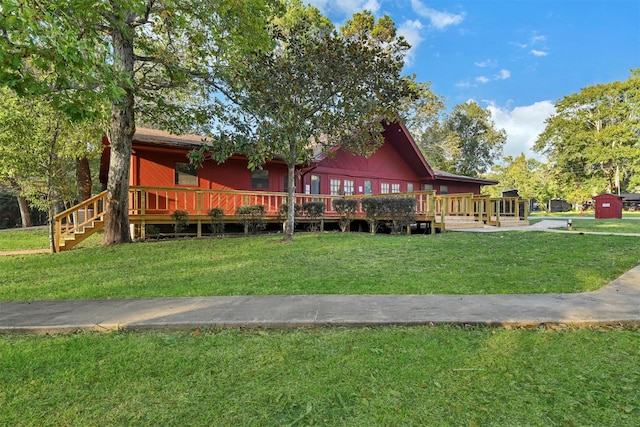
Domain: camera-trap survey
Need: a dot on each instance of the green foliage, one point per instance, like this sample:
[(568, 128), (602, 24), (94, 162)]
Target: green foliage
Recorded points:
[(593, 137), (162, 61), (529, 176), (39, 147), (252, 218), (397, 212), (374, 209), (466, 142), (315, 211), (402, 213), (345, 208), (316, 89), (181, 220), (284, 209), (215, 217)]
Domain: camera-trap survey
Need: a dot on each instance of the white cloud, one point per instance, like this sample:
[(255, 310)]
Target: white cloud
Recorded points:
[(483, 79), (488, 63), (523, 125), (539, 52), (438, 19), (503, 75), (410, 30)]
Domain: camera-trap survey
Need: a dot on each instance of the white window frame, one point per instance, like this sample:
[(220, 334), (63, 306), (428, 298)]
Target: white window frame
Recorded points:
[(348, 186), (335, 186)]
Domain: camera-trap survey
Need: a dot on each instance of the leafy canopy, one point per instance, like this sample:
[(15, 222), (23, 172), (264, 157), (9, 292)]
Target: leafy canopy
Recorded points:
[(316, 89), (466, 142), (594, 135)]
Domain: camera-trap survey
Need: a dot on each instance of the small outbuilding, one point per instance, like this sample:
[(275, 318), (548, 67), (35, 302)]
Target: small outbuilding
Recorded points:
[(608, 206)]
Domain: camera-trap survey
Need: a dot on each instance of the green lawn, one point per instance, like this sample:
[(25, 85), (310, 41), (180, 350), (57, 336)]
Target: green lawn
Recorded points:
[(586, 214), (440, 376), (12, 240), (329, 263), (607, 225)]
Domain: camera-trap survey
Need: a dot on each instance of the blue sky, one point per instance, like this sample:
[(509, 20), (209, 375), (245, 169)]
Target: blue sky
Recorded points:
[(516, 58)]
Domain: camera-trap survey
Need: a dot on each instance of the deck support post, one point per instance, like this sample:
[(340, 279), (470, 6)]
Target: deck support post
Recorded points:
[(199, 228)]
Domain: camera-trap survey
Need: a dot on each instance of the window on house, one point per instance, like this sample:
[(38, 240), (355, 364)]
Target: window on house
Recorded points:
[(444, 189), (348, 187), (260, 179), (368, 187), (409, 187), (428, 187), (186, 174), (384, 188), (315, 184), (395, 188), (335, 187)]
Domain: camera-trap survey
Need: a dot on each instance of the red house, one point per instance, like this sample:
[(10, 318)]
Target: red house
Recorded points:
[(159, 159)]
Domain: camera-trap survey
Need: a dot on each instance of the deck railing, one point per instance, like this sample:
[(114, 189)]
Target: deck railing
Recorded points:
[(507, 209), (196, 201), (158, 203)]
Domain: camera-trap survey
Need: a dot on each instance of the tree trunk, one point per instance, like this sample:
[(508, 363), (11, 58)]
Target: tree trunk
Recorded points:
[(25, 214), (116, 220), (51, 212), (291, 208), (83, 176)]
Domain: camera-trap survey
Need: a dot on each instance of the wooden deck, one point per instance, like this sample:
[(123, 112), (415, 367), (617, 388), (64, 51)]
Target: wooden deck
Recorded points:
[(154, 206)]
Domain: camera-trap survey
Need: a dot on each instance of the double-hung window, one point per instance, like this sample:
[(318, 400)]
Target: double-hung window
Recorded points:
[(335, 187), (348, 187)]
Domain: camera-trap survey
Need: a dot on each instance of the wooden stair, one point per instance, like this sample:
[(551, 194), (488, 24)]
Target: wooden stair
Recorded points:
[(460, 222), (79, 222), (79, 235)]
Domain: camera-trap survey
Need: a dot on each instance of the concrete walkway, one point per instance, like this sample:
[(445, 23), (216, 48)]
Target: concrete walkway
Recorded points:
[(618, 303)]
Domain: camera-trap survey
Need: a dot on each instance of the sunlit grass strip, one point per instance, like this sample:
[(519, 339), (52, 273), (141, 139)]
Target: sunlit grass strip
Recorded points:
[(393, 376), (607, 225), (331, 263)]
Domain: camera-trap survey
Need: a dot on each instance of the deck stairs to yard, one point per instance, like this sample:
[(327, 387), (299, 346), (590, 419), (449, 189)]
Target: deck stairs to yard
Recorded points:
[(455, 222), (79, 222)]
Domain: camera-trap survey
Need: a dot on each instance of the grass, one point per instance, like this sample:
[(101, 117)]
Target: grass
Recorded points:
[(606, 225), (38, 238), (12, 240), (574, 214), (440, 376), (329, 263)]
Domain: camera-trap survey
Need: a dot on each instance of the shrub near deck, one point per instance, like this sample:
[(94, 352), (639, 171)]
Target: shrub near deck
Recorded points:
[(327, 263)]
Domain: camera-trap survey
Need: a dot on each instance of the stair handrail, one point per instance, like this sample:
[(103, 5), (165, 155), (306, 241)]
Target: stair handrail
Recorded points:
[(70, 221)]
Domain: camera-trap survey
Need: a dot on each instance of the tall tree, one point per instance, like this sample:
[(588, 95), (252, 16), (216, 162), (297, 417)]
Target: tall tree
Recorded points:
[(593, 139), (466, 142), (317, 89), (39, 148), (159, 59), (529, 176)]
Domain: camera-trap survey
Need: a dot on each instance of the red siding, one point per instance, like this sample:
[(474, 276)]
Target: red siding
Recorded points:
[(386, 165), (608, 206)]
